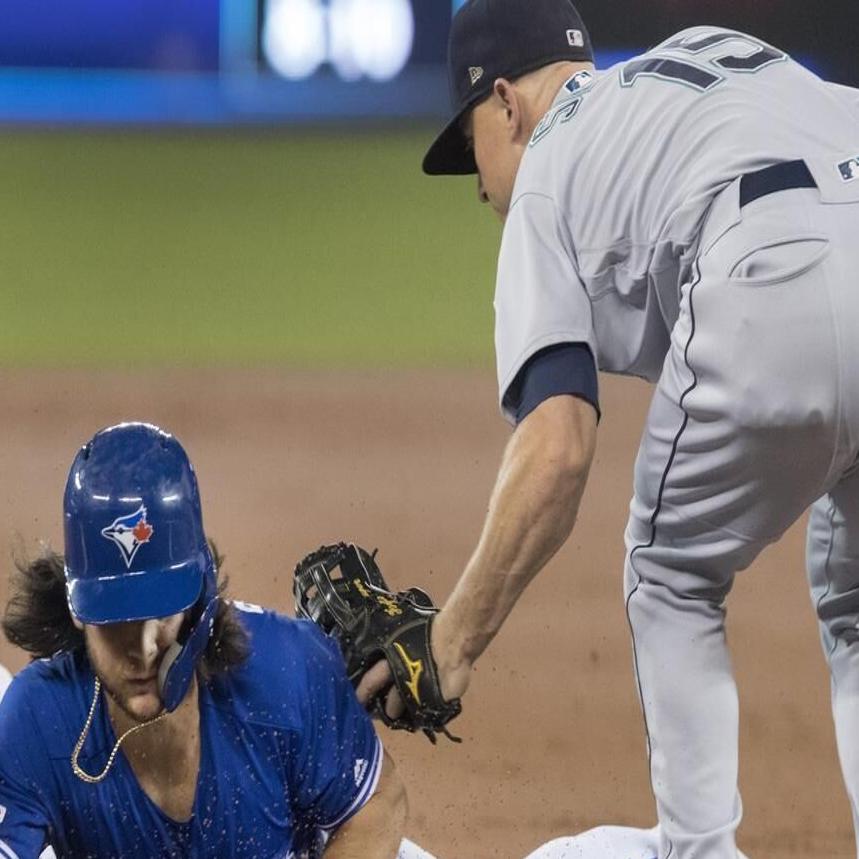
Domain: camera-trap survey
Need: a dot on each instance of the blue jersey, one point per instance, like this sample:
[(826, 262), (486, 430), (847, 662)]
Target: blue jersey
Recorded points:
[(286, 752)]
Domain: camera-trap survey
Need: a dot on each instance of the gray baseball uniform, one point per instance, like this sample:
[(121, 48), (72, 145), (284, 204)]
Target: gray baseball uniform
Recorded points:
[(644, 224)]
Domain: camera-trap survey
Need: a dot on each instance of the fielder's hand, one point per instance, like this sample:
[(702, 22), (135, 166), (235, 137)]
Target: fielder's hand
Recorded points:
[(341, 589), (454, 676)]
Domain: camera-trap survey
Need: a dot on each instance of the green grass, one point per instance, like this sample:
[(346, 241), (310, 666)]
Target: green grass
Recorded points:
[(310, 249)]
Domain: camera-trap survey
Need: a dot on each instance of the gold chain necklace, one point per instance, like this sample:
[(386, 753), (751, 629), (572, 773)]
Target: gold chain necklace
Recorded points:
[(76, 769)]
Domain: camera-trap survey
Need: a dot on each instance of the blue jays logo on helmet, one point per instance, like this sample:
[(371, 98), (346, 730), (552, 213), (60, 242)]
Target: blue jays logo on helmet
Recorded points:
[(129, 533)]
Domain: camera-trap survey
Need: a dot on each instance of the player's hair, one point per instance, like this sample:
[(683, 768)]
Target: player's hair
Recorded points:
[(37, 617)]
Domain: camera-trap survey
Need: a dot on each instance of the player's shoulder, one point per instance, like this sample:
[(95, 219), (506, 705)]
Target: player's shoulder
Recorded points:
[(51, 676), (286, 656), (700, 37), (688, 34), (267, 628), (561, 136), (41, 698)]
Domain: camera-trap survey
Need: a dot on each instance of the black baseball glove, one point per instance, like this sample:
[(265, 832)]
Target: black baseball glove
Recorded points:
[(341, 589)]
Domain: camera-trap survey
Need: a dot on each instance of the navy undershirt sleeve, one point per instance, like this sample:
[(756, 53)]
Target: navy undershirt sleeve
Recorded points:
[(565, 368)]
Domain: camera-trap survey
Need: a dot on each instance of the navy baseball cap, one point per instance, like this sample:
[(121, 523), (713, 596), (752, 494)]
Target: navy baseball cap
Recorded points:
[(490, 39)]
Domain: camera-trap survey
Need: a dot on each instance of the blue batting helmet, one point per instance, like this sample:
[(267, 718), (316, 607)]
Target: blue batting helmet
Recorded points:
[(134, 542)]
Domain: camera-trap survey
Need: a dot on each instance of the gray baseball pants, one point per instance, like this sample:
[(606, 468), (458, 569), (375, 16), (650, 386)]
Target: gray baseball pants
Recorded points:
[(755, 418)]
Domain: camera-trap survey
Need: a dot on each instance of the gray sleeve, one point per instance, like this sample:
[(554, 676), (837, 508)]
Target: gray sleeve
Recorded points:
[(845, 93), (539, 298)]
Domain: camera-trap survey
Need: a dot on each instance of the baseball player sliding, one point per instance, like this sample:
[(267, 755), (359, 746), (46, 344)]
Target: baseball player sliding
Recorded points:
[(161, 719), (606, 842), (689, 216)]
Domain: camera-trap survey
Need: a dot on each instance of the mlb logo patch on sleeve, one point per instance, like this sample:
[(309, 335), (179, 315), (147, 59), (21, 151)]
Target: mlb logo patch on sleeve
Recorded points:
[(849, 169)]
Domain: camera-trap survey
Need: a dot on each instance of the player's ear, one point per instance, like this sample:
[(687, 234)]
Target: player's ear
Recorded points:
[(511, 103), (77, 623)]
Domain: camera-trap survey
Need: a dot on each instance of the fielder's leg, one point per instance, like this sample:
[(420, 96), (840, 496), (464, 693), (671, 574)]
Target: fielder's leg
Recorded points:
[(833, 569), (739, 440)]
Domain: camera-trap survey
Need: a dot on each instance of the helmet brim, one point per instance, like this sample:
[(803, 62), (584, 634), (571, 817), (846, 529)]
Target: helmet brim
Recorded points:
[(131, 596)]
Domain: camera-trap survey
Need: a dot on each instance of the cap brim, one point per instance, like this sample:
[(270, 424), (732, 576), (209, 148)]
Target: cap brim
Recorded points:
[(450, 153), (136, 595)]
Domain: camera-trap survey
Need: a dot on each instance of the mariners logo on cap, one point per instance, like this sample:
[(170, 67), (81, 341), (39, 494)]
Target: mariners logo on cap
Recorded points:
[(129, 533)]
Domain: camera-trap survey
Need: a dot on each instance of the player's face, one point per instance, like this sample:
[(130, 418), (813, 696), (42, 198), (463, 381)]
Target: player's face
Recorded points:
[(126, 657), (497, 154)]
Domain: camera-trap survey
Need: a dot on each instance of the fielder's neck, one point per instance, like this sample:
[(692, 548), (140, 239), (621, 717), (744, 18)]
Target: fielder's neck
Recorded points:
[(538, 89)]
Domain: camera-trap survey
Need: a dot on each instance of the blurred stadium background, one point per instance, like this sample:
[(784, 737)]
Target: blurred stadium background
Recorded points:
[(238, 181)]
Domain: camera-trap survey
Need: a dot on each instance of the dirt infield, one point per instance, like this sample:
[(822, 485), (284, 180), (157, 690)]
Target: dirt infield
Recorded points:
[(553, 740)]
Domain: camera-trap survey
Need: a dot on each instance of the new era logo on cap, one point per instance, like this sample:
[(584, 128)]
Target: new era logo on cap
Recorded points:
[(575, 38), (475, 73)]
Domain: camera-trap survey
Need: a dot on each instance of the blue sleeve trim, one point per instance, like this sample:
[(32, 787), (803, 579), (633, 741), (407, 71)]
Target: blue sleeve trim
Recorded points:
[(565, 368)]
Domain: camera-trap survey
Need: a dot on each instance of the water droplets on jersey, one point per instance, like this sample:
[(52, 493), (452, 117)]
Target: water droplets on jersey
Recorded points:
[(129, 533)]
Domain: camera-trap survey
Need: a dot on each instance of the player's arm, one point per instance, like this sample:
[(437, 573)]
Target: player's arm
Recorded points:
[(376, 830), (24, 830), (24, 823), (548, 383), (344, 784), (531, 513)]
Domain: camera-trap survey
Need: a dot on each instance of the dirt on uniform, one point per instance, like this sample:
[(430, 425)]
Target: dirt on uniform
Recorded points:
[(553, 737)]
